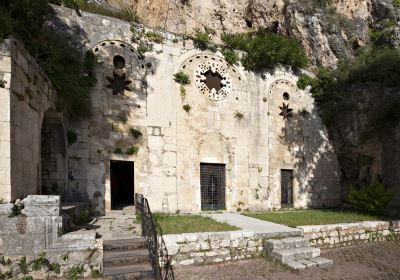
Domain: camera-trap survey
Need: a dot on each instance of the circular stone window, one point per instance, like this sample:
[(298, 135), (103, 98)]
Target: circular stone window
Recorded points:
[(213, 80)]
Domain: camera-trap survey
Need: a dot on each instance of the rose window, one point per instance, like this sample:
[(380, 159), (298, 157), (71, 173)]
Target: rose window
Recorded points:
[(213, 80)]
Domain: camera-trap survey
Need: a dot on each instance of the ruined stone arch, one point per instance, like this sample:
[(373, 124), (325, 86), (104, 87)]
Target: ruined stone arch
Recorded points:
[(53, 155)]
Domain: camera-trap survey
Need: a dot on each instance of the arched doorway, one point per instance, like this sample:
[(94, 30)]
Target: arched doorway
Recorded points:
[(53, 155)]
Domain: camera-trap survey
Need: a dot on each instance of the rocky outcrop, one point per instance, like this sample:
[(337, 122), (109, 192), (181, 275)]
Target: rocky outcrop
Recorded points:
[(328, 32)]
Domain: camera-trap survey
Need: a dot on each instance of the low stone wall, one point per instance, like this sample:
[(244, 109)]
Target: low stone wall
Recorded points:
[(212, 247), (36, 230), (336, 235)]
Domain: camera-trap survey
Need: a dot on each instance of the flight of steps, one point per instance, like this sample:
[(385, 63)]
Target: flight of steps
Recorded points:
[(295, 252), (126, 259)]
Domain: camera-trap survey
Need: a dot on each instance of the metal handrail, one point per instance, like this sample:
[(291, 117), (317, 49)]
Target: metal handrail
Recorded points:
[(152, 232)]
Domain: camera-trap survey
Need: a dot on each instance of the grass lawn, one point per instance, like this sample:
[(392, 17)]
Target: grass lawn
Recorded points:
[(295, 218), (171, 224)]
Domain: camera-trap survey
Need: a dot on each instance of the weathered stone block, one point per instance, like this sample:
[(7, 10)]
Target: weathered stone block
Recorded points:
[(6, 209), (42, 205)]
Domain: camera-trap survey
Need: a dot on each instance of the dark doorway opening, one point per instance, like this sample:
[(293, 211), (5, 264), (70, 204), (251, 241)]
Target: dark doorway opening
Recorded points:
[(212, 184), (122, 184), (287, 187)]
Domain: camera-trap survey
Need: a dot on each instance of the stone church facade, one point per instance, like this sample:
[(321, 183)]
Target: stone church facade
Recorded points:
[(230, 140)]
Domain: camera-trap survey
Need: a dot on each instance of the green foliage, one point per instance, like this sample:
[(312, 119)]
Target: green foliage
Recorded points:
[(230, 56), (181, 78), (124, 13), (294, 218), (75, 272), (17, 209), (202, 40), (396, 3), (6, 275), (371, 199), (182, 90), (304, 81), (265, 50), (332, 88), (176, 224), (64, 257), (68, 68), (23, 265), (3, 84), (136, 133), (118, 151), (238, 115), (96, 274), (55, 267), (40, 262), (132, 150), (4, 261), (155, 37), (27, 277), (187, 108), (72, 137)]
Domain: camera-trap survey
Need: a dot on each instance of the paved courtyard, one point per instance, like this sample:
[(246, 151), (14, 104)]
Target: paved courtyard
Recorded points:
[(380, 260)]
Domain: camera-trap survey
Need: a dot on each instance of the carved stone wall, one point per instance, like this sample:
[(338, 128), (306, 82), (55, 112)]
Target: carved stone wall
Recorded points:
[(27, 95), (234, 119)]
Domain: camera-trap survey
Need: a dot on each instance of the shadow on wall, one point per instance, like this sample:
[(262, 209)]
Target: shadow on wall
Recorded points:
[(315, 164)]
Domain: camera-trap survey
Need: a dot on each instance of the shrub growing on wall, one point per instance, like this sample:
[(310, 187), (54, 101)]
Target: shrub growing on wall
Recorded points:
[(69, 69), (265, 50)]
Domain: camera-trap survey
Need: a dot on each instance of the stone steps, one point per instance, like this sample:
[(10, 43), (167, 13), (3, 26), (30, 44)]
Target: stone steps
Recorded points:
[(126, 259), (124, 244), (136, 271), (111, 258), (295, 252)]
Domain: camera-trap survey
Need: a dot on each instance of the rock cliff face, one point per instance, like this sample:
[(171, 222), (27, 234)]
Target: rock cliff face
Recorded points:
[(328, 30)]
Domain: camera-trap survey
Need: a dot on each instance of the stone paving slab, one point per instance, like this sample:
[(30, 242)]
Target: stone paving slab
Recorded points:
[(259, 227)]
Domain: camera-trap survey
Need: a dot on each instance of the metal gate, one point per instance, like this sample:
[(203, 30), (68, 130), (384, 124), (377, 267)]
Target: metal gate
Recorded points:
[(212, 182), (287, 187)]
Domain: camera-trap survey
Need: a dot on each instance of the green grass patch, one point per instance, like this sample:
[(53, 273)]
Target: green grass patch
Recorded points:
[(175, 224), (312, 217)]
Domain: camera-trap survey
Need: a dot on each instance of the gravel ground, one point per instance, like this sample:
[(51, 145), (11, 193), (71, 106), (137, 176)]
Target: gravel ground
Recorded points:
[(380, 260)]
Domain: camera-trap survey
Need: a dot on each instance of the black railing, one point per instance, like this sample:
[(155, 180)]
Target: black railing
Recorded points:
[(152, 232)]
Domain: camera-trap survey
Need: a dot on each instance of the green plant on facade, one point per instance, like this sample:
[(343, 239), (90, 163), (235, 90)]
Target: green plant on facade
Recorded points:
[(371, 199), (72, 137), (132, 150), (70, 70), (202, 40), (239, 115), (155, 37), (265, 50), (230, 56), (136, 133), (118, 151), (186, 108), (182, 91), (182, 78)]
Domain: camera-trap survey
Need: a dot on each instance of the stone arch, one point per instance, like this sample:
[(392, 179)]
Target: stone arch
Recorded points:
[(53, 155)]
